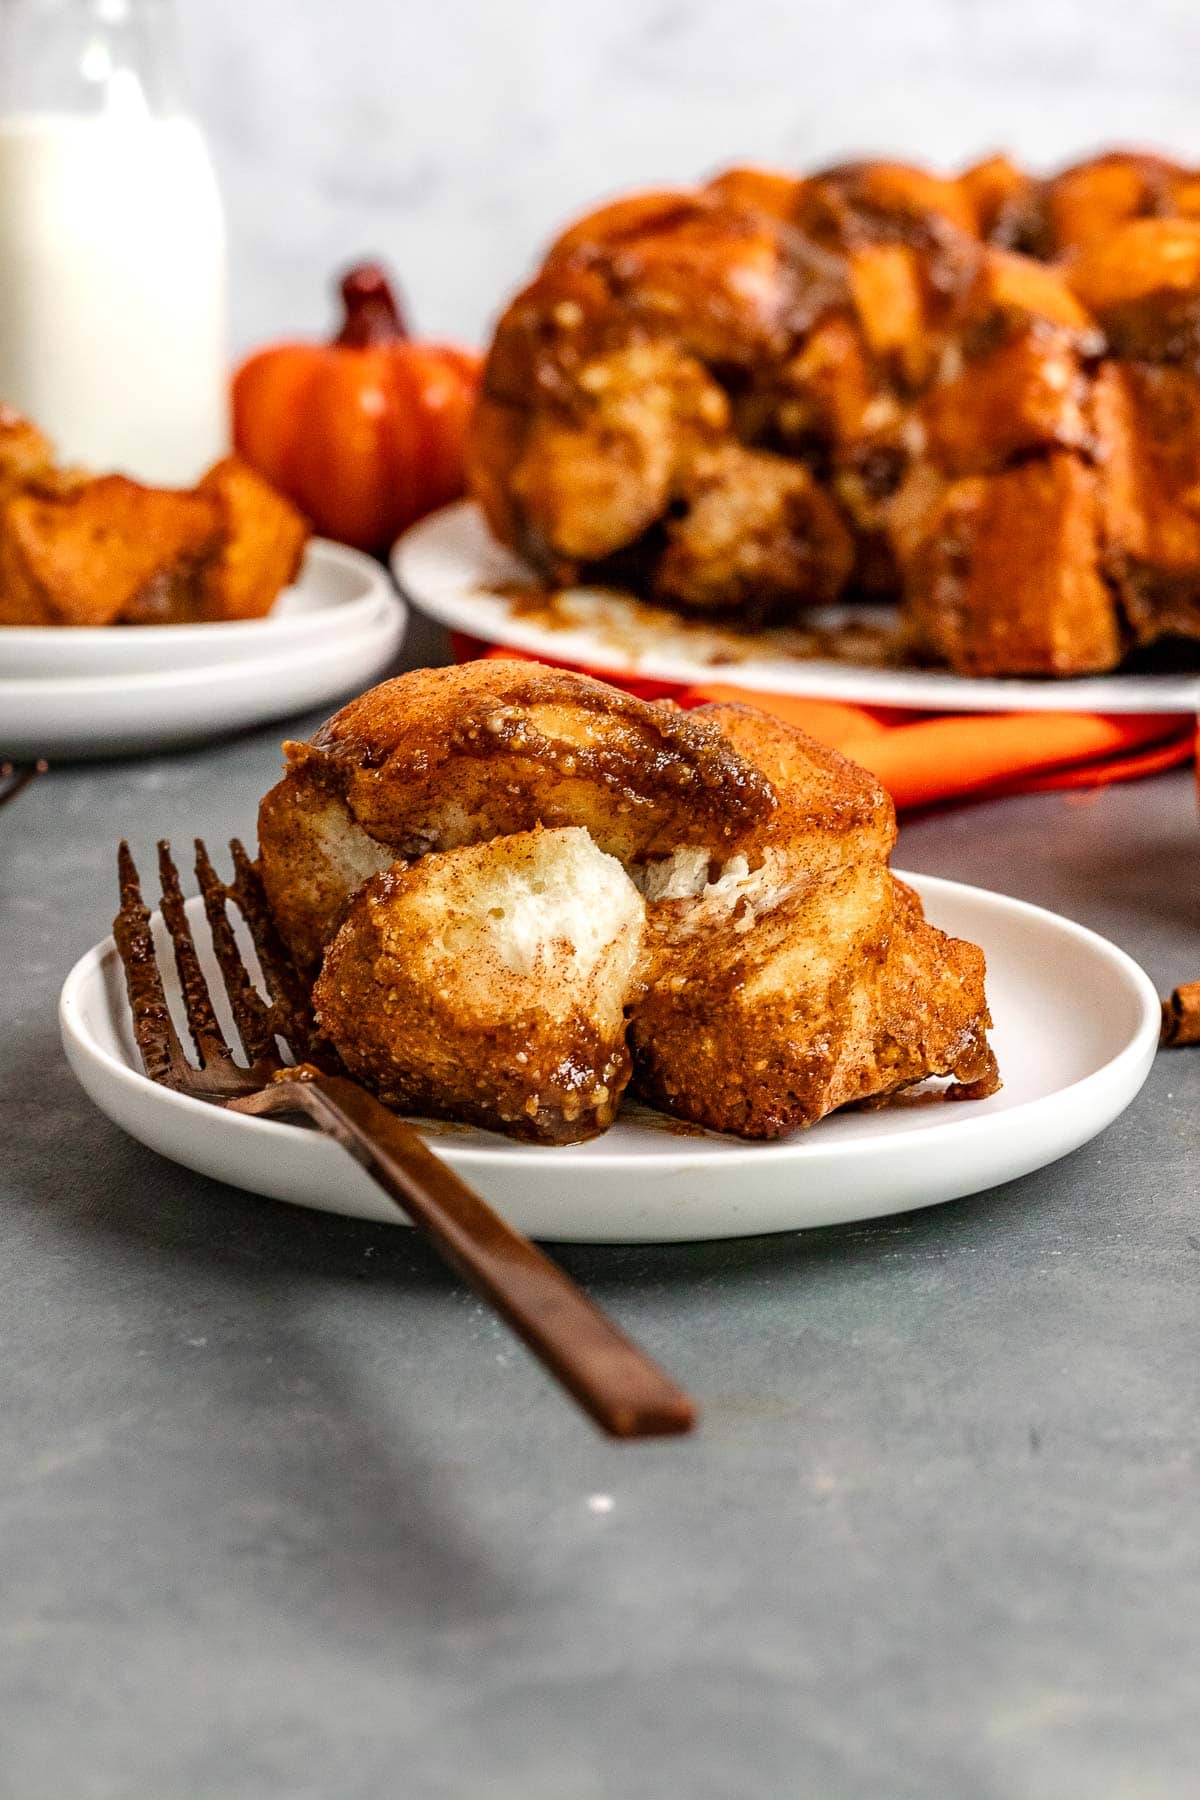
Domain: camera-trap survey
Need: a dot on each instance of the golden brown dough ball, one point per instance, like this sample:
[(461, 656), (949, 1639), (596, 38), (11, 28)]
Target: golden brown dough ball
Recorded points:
[(490, 983)]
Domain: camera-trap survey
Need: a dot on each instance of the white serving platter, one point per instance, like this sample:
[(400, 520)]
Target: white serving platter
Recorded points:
[(450, 567)]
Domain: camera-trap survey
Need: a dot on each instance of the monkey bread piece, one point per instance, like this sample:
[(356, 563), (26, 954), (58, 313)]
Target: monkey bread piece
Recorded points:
[(800, 976), (892, 306), (1148, 418), (26, 454), (1029, 393), (1008, 293), (730, 285), (610, 373), (313, 856), (109, 550), (446, 757), (490, 983), (1003, 574), (1142, 283), (828, 810), (1089, 202), (770, 191), (827, 394), (884, 202), (262, 545), (762, 1023), (628, 217), (1000, 196), (83, 550), (1014, 374), (588, 482), (758, 535)]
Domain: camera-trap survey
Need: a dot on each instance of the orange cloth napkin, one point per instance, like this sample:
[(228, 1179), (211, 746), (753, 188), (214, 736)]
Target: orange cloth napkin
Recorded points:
[(926, 758)]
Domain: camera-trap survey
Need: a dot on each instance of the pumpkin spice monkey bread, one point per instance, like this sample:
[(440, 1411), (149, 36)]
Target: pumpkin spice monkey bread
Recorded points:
[(978, 395), (103, 550), (520, 891)]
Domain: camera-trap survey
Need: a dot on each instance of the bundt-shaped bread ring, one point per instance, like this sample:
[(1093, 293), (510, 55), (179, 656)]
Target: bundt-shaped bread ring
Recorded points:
[(975, 395)]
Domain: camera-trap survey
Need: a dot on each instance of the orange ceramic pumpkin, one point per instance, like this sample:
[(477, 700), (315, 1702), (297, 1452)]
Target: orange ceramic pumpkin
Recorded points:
[(365, 434)]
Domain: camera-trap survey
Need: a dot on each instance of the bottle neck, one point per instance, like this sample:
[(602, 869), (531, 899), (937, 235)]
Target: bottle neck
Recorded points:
[(113, 58)]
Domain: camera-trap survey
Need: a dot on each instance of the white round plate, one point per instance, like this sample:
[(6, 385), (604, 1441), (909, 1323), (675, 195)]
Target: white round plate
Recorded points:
[(1077, 1023), (336, 591), (121, 713), (451, 568)]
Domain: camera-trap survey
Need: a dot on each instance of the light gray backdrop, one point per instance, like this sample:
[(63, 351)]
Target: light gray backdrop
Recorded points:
[(454, 136)]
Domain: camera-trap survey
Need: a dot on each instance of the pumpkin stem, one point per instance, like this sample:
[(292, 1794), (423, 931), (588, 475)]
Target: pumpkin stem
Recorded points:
[(372, 314)]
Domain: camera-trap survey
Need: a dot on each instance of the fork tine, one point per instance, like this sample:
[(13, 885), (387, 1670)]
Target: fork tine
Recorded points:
[(14, 778), (291, 1009), (202, 1020), (253, 1017), (157, 1040)]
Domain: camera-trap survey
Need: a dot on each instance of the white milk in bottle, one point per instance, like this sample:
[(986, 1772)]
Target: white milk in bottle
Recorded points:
[(112, 243)]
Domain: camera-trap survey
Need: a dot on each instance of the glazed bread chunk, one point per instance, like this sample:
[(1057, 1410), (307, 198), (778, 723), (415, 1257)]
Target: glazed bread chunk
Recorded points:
[(1149, 415), (490, 983), (262, 544), (79, 550), (803, 977), (513, 886), (447, 757), (1006, 575), (108, 550)]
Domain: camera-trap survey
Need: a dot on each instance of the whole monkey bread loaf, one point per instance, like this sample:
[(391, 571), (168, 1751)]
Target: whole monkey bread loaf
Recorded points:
[(979, 396)]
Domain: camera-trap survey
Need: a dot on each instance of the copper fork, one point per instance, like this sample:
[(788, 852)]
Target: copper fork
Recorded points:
[(626, 1393)]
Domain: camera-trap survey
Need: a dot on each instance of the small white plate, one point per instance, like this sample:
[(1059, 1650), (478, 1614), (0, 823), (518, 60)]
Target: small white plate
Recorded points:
[(124, 713), (1077, 1023), (451, 568), (336, 592)]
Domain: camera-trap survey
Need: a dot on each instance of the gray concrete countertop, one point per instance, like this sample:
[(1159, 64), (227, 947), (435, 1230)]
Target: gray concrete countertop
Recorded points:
[(284, 1512)]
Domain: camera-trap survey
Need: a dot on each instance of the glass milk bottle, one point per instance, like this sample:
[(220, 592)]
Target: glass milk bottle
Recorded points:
[(112, 242)]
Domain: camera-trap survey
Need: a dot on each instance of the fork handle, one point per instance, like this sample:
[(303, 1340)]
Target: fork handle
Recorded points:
[(626, 1393)]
